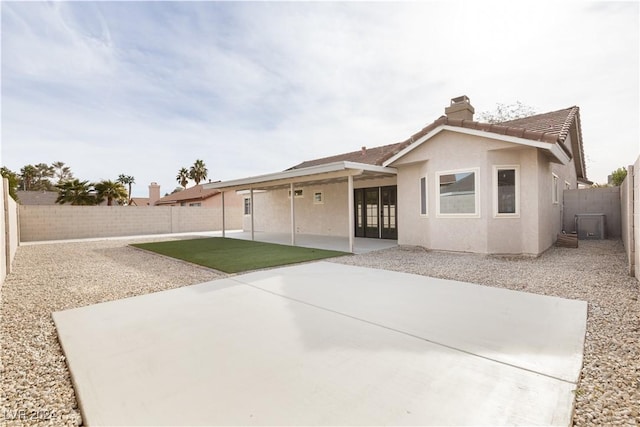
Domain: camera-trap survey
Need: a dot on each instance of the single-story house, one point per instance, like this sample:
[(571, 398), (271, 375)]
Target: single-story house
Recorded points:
[(197, 196), (456, 185)]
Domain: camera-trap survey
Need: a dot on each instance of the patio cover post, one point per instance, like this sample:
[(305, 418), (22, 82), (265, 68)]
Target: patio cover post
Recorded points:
[(293, 217), (350, 210), (251, 210), (223, 235)]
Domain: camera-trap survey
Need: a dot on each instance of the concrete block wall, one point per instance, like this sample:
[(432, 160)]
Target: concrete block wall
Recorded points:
[(9, 236), (593, 200), (77, 222), (626, 218), (635, 179)]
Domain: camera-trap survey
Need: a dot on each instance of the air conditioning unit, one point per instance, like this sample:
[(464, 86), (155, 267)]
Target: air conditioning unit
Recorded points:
[(591, 226)]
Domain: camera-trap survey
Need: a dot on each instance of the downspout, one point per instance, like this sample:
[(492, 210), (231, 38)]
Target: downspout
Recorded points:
[(251, 210), (223, 219), (293, 216)]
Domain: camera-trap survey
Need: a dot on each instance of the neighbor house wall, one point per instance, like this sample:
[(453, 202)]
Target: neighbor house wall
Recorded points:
[(604, 200), (9, 225), (77, 222)]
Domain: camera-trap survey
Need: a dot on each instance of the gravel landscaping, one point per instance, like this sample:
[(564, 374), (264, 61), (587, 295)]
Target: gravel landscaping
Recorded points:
[(37, 389)]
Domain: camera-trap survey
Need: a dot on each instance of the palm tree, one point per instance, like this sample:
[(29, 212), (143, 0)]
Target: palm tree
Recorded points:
[(61, 172), (128, 180), (183, 177), (198, 171), (42, 175), (28, 175), (75, 192), (110, 190)]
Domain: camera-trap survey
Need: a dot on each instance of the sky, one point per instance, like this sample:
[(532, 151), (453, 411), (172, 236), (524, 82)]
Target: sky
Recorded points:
[(145, 88)]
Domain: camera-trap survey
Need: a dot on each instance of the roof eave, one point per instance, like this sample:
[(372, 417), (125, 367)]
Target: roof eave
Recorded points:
[(554, 148)]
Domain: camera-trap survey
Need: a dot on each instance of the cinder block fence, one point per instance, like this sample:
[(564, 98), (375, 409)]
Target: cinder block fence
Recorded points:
[(78, 222)]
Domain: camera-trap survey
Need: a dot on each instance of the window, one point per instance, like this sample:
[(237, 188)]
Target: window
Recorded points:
[(197, 204), (554, 188), (318, 198), (247, 206), (297, 193), (458, 193), (423, 196), (506, 191), (567, 185)]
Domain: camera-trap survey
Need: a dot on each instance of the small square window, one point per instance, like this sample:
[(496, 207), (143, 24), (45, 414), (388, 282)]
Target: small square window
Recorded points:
[(318, 198)]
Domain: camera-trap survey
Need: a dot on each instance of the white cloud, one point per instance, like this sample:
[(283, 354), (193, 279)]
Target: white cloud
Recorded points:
[(146, 88)]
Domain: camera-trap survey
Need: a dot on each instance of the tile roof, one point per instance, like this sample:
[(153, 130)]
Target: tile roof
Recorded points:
[(194, 193), (37, 197), (140, 201), (370, 156), (552, 127)]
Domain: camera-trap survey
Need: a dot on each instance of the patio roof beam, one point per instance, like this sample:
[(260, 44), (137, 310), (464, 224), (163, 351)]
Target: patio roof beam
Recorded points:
[(310, 174)]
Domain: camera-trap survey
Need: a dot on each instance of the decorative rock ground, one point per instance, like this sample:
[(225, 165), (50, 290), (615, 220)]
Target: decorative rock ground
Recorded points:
[(37, 389)]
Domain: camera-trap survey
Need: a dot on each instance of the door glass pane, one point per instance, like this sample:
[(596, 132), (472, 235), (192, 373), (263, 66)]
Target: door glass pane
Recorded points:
[(372, 208)]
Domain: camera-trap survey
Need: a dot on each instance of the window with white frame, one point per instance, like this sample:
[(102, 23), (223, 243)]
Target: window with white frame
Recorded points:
[(554, 188), (247, 206), (458, 193), (506, 191), (297, 193), (423, 196), (195, 204), (318, 198)]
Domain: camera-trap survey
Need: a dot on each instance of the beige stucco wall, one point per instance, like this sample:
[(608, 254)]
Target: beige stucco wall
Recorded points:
[(272, 208), (531, 232), (77, 222)]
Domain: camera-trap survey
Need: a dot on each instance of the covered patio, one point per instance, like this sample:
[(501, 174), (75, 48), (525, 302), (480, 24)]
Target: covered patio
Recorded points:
[(293, 180)]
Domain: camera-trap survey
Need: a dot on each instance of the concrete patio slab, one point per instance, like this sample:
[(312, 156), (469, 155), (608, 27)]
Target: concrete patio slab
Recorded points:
[(287, 347)]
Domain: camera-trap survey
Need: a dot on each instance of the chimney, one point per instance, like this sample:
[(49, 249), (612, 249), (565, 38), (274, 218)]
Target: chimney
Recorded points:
[(460, 108), (154, 193), (364, 150)]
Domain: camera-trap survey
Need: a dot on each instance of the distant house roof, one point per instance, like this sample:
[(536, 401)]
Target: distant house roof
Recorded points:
[(552, 128), (37, 197), (190, 194), (140, 201)]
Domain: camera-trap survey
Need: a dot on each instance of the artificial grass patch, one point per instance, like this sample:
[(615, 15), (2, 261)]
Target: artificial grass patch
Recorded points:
[(235, 255)]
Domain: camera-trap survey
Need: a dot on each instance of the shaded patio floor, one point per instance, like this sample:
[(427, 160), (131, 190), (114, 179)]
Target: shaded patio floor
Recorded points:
[(361, 245)]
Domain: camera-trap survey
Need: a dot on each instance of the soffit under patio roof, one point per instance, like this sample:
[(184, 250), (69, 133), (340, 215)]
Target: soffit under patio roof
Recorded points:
[(319, 174)]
